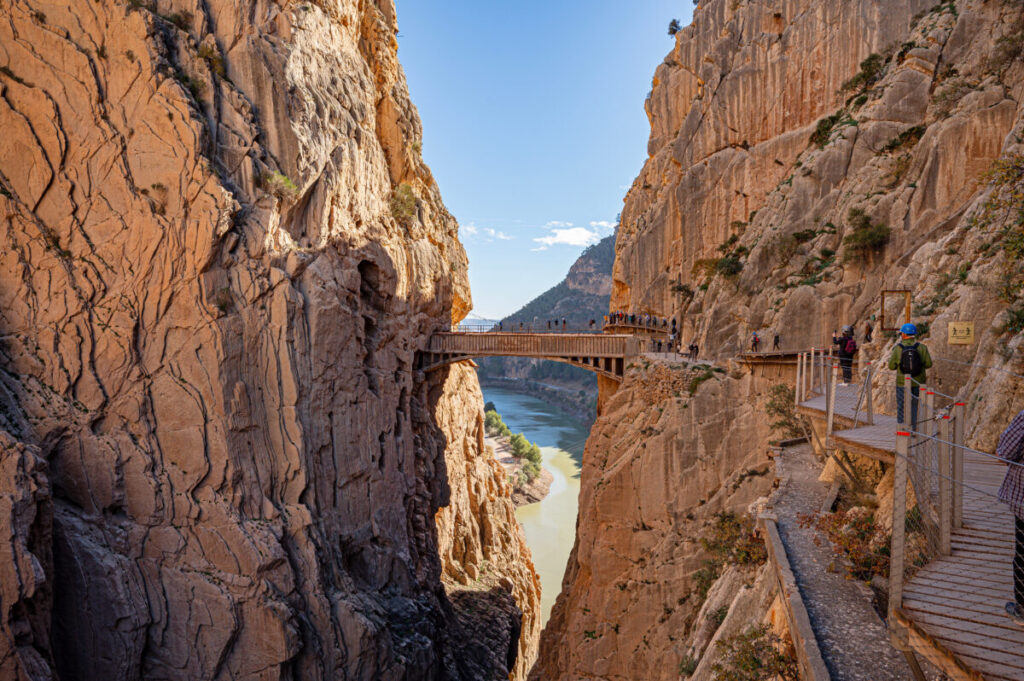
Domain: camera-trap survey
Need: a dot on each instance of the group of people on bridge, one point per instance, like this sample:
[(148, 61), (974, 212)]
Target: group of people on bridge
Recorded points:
[(645, 320)]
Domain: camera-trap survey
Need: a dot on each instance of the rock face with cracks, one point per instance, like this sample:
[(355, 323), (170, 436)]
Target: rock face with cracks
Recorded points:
[(670, 449), (804, 156), (221, 252)]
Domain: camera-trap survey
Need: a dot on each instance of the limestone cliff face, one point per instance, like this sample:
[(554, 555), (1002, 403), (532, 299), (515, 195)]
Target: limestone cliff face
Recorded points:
[(220, 253), (765, 175), (659, 463), (734, 173)]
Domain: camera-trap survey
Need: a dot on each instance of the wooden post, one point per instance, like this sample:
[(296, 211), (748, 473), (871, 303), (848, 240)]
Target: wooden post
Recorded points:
[(906, 402), (869, 408), (959, 414), (897, 634), (810, 385), (799, 377), (831, 409), (945, 497)]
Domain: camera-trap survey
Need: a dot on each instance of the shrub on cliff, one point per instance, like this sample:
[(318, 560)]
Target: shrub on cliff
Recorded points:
[(279, 185), (403, 204), (733, 539), (866, 237), (674, 27), (870, 71), (754, 655)]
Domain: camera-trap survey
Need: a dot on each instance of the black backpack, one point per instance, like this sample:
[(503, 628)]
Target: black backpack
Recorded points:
[(910, 360)]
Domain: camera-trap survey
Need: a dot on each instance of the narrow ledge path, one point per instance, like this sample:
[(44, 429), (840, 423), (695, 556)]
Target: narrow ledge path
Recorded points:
[(853, 639)]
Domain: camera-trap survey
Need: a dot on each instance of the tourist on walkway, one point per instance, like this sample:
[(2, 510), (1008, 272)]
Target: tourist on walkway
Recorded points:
[(1011, 450), (846, 348), (776, 342), (909, 357), (563, 323), (755, 341), (868, 330), (694, 349)]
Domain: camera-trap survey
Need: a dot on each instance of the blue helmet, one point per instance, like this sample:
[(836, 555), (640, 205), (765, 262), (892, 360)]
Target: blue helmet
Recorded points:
[(908, 329)]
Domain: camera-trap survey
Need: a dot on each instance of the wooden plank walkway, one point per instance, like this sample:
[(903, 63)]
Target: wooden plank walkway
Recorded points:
[(954, 605)]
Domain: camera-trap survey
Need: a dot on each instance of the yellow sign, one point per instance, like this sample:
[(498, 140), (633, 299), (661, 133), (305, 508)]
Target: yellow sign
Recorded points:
[(961, 333)]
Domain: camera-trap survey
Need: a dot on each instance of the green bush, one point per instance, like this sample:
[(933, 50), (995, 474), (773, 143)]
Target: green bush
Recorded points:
[(688, 666), (754, 655), (493, 425), (870, 71), (520, 445), (866, 237), (823, 132), (403, 204), (531, 470), (729, 266), (533, 454)]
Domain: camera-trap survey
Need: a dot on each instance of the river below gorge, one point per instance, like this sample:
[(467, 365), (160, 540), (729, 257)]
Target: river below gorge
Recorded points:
[(550, 524)]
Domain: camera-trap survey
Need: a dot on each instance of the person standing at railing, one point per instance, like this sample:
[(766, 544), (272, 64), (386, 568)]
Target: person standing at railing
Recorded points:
[(909, 358), (1011, 450), (846, 348)]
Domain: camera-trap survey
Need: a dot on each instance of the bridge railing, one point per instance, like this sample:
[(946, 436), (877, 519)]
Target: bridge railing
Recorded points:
[(533, 345), (526, 328)]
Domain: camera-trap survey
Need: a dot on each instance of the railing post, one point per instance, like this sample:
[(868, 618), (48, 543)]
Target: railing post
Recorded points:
[(945, 498), (869, 408), (959, 414), (897, 634), (811, 384), (925, 452), (799, 377), (831, 408), (905, 421)]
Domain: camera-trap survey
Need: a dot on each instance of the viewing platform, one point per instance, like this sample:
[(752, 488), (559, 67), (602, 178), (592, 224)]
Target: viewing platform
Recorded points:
[(952, 541)]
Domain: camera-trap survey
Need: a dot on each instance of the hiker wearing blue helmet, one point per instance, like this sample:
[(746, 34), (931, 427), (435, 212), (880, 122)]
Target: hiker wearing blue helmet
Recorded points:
[(909, 358)]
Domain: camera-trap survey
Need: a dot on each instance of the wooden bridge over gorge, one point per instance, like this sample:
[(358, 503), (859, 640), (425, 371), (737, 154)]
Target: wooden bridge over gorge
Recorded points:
[(602, 353)]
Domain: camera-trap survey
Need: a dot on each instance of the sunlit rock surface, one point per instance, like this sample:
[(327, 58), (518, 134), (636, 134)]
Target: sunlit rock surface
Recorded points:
[(217, 458)]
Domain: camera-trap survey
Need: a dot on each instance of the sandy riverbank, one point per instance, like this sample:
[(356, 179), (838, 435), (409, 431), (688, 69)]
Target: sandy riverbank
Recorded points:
[(531, 492)]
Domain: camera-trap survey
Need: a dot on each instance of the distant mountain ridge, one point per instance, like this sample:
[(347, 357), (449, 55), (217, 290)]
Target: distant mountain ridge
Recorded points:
[(583, 294)]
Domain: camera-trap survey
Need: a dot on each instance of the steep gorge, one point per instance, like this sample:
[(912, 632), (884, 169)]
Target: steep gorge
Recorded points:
[(221, 251), (778, 142)]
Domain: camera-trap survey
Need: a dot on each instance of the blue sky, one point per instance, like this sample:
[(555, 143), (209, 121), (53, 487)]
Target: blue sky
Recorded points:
[(533, 125)]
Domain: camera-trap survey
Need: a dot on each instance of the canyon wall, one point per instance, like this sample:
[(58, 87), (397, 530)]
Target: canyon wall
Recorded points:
[(221, 251), (671, 449), (804, 156), (768, 127)]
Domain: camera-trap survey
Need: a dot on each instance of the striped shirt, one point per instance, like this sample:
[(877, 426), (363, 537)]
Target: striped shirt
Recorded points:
[(1011, 449)]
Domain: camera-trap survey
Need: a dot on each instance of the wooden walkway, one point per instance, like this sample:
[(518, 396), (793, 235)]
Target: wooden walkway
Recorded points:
[(953, 607)]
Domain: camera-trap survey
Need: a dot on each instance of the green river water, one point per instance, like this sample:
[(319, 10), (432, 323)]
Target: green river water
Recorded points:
[(550, 524)]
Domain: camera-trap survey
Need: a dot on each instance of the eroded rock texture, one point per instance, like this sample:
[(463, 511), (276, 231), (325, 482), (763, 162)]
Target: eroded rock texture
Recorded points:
[(220, 252), (739, 221), (659, 464), (734, 171)]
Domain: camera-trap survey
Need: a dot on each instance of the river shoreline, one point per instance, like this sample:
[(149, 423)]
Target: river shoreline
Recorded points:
[(531, 492)]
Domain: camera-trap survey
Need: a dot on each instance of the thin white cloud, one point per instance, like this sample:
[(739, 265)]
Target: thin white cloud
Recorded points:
[(573, 236), (603, 224), (469, 229), (497, 234), (557, 223)]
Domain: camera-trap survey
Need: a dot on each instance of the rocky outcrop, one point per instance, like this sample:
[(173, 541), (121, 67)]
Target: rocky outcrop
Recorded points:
[(670, 449), (221, 252)]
